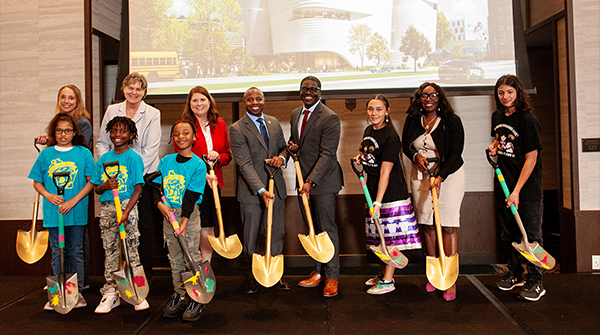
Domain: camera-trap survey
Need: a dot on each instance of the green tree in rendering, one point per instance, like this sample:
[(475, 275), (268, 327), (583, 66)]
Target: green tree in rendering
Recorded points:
[(212, 28), (458, 51), (378, 49), (146, 22), (360, 39), (443, 34), (415, 44)]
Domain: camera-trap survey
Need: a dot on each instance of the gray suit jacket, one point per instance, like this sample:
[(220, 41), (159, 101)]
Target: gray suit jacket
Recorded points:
[(250, 151), (317, 152)]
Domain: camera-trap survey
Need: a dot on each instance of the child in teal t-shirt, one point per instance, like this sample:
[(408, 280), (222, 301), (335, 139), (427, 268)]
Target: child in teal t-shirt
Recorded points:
[(126, 176), (183, 176), (66, 152)]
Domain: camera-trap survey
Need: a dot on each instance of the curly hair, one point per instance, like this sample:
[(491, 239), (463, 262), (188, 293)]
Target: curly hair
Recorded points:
[(78, 138), (127, 123), (444, 107), (79, 109), (313, 78), (522, 102), (213, 114), (191, 123)]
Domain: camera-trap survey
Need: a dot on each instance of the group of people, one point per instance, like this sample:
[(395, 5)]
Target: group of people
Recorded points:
[(432, 139)]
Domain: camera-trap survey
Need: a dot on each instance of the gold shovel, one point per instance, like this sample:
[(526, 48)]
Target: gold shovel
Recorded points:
[(267, 269), (319, 247), (32, 245), (442, 271), (229, 247)]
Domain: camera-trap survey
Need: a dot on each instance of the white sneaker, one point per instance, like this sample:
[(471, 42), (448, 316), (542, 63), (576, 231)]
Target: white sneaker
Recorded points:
[(47, 307), (81, 302), (144, 305), (110, 300)]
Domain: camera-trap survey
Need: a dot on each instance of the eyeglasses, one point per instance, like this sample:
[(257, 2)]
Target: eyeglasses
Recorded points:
[(64, 131), (433, 96), (313, 90)]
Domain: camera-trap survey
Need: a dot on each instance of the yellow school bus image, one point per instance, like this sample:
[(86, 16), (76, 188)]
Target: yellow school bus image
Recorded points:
[(155, 65)]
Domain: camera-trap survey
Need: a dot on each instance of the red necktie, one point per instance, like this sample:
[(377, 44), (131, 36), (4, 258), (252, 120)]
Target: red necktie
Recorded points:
[(304, 120)]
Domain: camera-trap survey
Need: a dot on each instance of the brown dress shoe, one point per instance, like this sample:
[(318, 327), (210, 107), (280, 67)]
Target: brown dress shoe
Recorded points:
[(313, 281), (331, 288)]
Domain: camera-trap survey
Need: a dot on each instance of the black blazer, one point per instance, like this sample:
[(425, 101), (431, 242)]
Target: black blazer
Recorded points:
[(449, 138)]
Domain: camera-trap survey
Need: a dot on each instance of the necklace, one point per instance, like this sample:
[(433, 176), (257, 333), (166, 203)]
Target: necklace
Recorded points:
[(428, 122)]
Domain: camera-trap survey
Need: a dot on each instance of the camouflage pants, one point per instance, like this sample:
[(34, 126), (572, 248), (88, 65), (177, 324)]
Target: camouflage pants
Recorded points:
[(176, 257), (111, 241)]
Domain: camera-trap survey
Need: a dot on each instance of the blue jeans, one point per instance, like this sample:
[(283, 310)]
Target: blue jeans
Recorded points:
[(531, 213), (73, 252)]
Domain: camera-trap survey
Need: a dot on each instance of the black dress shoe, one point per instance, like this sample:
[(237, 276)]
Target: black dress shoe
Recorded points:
[(282, 285), (250, 286)]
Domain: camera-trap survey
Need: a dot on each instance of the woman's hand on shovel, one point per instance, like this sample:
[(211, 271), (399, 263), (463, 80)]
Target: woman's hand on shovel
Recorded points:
[(437, 183)]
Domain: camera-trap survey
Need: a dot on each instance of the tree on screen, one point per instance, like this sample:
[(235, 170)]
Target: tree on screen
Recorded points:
[(443, 34), (378, 49), (415, 44), (147, 21), (458, 51), (360, 39), (212, 27)]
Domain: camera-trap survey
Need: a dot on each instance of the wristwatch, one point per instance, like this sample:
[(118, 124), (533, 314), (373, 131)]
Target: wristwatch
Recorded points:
[(312, 183)]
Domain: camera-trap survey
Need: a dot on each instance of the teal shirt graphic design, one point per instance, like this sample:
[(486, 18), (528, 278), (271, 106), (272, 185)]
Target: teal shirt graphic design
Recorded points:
[(57, 165), (174, 188), (122, 177)]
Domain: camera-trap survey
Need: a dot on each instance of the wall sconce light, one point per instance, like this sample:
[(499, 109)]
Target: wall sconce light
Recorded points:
[(350, 104)]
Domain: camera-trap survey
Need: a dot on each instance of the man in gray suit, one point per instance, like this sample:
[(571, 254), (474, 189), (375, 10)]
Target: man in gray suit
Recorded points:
[(254, 139), (315, 135)]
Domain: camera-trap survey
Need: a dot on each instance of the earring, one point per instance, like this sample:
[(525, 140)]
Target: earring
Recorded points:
[(387, 119), (438, 109)]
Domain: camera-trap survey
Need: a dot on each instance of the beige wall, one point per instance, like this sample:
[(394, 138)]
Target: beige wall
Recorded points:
[(586, 33), (41, 50)]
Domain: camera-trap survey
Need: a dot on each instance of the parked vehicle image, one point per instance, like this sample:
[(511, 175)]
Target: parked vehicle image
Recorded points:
[(155, 65), (381, 68), (460, 69)]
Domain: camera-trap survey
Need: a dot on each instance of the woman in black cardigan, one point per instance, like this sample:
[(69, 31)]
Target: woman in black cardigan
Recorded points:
[(433, 132)]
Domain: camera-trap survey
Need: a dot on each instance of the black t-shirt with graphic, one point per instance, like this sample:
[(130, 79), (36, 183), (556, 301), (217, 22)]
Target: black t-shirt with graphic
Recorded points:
[(517, 135), (383, 145)]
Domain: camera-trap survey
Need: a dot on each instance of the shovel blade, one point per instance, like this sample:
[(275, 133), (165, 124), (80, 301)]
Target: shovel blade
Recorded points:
[(63, 292), (28, 252), (319, 247), (535, 254), (267, 270), (397, 258), (230, 248), (133, 288), (442, 272), (201, 284)]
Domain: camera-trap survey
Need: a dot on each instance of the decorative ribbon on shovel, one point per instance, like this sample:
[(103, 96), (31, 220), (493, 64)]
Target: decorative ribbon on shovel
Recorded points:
[(533, 252), (228, 247), (63, 291), (32, 244), (267, 269), (200, 283), (388, 254), (319, 247), (131, 281)]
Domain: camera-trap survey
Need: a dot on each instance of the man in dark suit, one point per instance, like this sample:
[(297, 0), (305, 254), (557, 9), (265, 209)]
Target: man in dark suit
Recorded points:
[(254, 139), (315, 135)]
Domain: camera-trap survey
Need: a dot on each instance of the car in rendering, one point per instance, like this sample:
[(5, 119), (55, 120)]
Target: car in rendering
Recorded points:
[(461, 70), (381, 68)]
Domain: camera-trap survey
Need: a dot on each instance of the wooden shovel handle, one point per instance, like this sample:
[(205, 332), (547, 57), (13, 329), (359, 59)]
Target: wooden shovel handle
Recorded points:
[(311, 229), (438, 220)]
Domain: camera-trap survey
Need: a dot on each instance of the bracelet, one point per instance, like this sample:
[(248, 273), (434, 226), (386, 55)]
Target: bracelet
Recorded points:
[(376, 203)]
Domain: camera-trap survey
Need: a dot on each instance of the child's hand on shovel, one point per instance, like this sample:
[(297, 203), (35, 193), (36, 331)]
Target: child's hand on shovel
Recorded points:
[(164, 209), (210, 180), (182, 226)]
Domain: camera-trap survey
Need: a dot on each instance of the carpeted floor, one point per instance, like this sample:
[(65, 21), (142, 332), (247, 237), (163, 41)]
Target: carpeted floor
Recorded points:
[(571, 306)]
